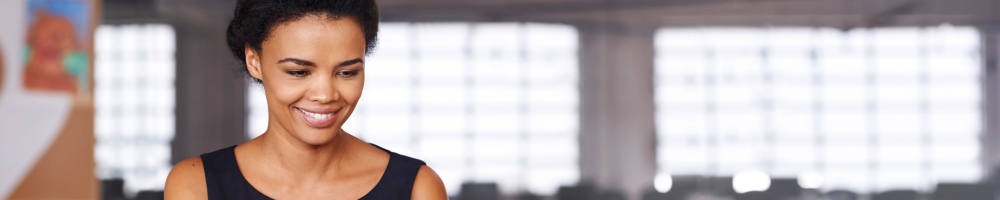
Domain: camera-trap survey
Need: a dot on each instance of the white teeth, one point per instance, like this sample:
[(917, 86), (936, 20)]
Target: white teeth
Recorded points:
[(317, 115)]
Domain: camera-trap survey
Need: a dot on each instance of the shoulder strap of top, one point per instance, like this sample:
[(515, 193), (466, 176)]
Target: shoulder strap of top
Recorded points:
[(397, 180), (223, 177)]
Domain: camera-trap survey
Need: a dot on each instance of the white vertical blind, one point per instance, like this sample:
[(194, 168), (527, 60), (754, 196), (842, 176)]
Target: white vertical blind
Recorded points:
[(868, 109), (134, 102)]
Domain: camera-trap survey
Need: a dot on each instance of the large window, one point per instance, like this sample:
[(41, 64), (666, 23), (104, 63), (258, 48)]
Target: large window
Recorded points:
[(134, 104), (480, 102), (865, 109)]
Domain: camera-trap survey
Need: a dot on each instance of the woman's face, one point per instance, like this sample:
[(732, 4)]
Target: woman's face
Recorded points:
[(312, 70)]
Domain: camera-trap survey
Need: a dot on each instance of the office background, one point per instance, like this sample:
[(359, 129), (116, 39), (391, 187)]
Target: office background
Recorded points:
[(598, 99)]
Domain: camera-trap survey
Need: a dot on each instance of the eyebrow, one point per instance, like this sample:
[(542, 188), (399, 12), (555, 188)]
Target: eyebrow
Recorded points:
[(311, 64), (350, 62)]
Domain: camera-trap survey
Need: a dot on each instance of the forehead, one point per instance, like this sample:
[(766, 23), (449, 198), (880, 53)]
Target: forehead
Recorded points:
[(315, 34)]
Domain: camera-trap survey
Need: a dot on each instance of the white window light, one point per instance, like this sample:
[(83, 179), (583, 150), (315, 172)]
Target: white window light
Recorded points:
[(751, 181), (134, 104), (663, 182)]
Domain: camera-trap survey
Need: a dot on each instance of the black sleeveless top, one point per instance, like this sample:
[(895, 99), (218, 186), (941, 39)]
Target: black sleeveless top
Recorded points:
[(225, 181)]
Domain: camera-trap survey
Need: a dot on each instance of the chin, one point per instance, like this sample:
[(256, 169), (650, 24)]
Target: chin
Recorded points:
[(317, 137)]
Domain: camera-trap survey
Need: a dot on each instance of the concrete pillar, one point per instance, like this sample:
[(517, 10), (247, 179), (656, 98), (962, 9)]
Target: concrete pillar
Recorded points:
[(211, 106), (990, 136), (617, 129)]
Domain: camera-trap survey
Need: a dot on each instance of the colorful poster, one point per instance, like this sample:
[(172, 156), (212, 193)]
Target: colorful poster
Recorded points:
[(54, 56)]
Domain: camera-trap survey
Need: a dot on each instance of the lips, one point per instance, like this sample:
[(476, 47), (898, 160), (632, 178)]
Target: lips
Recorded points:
[(317, 118)]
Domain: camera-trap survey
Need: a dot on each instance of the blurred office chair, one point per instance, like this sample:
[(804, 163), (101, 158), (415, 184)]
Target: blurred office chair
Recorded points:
[(697, 187), (611, 195), (810, 194), (721, 186), (962, 191), (897, 195), (479, 191), (756, 195), (528, 196), (841, 195), (707, 196), (149, 195), (682, 187), (676, 192), (112, 189), (582, 191), (784, 188), (652, 194)]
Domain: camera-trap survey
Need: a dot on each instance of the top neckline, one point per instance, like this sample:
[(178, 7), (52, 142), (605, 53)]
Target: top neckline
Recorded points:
[(382, 179)]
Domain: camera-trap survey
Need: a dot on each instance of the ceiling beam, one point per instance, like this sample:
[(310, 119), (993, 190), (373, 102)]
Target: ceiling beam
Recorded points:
[(829, 13)]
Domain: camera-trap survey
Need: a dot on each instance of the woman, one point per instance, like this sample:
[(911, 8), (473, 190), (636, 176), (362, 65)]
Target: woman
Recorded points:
[(309, 56)]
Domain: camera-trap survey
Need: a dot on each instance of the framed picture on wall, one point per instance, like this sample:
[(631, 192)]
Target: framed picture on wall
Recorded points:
[(55, 57)]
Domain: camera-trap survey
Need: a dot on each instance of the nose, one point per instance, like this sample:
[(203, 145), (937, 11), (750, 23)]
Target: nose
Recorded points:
[(323, 90)]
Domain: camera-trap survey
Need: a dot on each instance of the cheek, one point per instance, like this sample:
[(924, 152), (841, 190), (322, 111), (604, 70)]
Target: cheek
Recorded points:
[(282, 93), (279, 92), (351, 91)]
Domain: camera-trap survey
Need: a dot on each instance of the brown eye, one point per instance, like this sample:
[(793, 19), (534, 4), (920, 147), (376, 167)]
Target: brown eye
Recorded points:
[(347, 73), (298, 73)]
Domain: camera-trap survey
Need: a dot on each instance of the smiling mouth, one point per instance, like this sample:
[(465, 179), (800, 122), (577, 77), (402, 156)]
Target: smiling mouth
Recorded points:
[(318, 120)]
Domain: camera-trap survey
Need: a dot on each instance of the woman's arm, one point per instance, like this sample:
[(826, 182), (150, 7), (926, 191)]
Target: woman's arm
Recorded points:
[(186, 181), (428, 185)]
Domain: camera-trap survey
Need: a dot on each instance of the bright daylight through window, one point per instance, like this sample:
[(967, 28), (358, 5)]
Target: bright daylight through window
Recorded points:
[(867, 110), (134, 104)]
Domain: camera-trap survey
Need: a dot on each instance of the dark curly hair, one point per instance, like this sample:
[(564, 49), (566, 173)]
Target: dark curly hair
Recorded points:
[(253, 21)]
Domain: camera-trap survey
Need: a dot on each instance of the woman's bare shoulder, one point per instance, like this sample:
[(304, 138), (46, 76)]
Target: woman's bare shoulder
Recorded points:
[(186, 180), (428, 185)]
